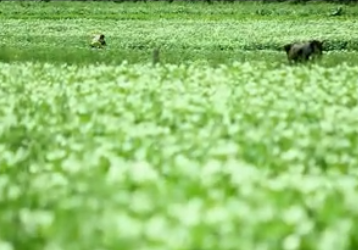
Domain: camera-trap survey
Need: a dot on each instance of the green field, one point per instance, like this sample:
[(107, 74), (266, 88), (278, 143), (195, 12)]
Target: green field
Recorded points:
[(220, 146)]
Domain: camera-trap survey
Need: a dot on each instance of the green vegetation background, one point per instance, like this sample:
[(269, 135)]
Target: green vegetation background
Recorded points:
[(59, 31), (221, 146)]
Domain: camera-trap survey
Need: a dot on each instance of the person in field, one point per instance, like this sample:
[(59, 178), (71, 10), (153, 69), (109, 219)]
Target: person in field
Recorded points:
[(302, 52), (156, 56), (98, 41)]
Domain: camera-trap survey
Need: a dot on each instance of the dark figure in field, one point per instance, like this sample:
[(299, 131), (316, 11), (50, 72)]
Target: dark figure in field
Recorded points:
[(301, 52), (156, 57), (98, 41)]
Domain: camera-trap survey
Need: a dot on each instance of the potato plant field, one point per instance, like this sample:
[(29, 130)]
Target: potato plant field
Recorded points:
[(220, 145)]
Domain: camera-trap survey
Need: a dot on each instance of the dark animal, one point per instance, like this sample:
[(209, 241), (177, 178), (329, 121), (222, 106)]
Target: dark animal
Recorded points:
[(302, 52)]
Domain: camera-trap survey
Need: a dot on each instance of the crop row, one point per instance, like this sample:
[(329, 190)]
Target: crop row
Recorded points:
[(181, 9), (178, 157), (178, 34)]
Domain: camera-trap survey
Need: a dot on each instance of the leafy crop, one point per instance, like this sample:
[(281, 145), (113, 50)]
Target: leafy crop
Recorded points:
[(174, 34), (221, 145), (238, 156), (218, 33)]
